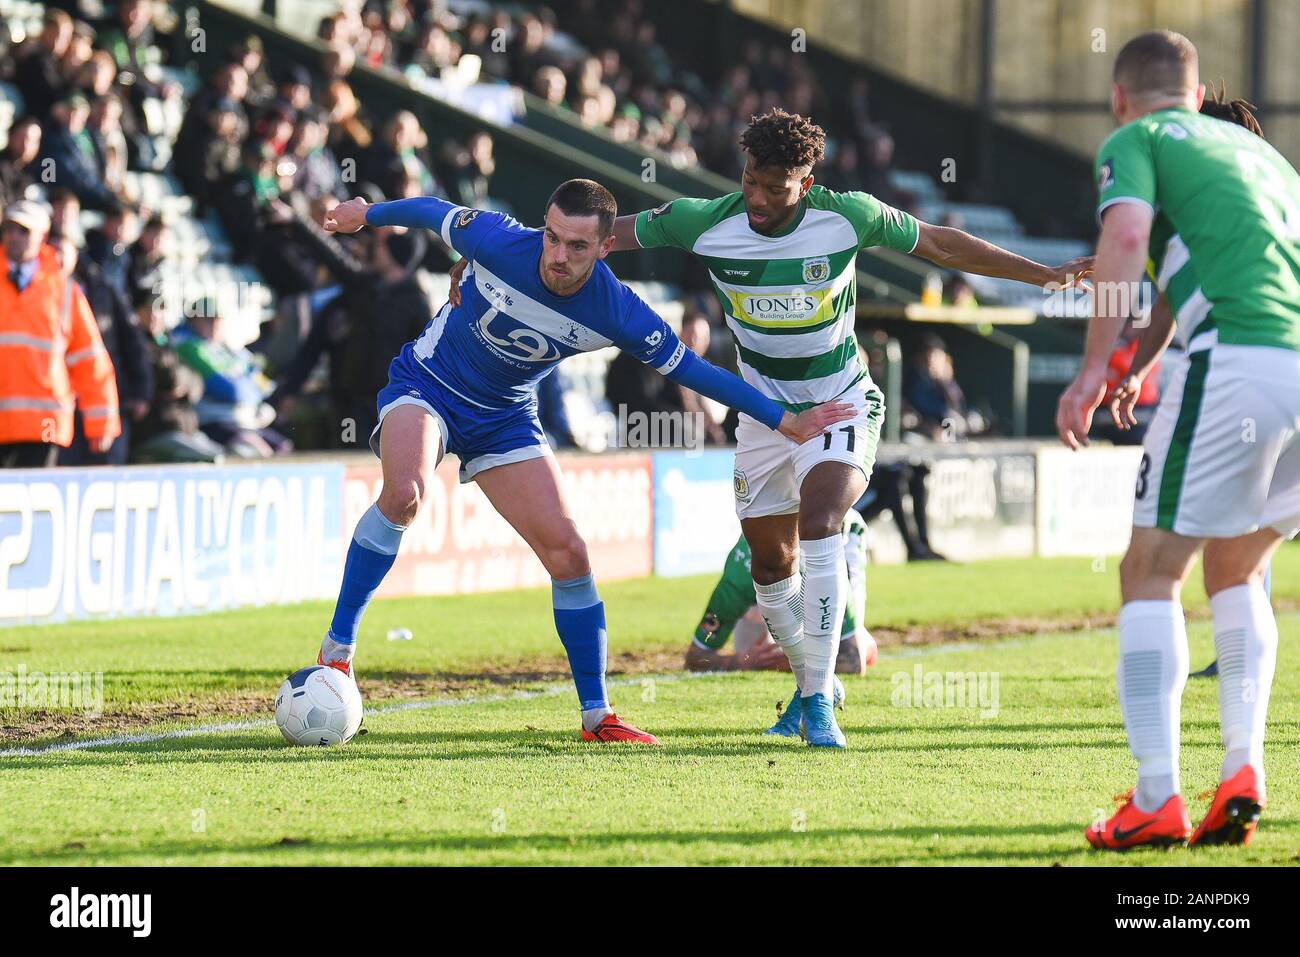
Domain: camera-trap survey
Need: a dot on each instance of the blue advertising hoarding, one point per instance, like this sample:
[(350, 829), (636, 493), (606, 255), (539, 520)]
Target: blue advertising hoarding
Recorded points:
[(83, 543), (694, 511)]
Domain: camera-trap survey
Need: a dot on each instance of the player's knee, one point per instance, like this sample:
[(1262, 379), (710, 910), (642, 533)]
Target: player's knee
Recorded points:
[(566, 557), (1137, 572), (1148, 572), (1226, 566), (772, 568), (819, 522), (400, 499)]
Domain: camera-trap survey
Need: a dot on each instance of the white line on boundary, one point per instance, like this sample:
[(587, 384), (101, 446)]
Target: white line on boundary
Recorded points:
[(421, 705), (428, 703)]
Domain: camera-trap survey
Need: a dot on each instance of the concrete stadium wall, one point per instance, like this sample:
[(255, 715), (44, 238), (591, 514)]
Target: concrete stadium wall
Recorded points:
[(1048, 72)]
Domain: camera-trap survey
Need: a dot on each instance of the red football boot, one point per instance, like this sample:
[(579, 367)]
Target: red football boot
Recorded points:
[(614, 728), (1234, 813), (339, 665), (1132, 827)]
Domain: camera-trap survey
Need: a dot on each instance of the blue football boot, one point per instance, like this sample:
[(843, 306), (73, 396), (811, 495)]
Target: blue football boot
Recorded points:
[(819, 727), (787, 725)]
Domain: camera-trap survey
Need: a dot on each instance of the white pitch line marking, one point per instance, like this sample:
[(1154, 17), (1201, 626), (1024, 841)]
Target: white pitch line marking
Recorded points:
[(421, 705), (428, 703)]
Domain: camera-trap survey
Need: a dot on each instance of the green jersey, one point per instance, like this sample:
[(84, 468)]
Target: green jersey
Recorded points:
[(789, 298), (1227, 205), (733, 596)]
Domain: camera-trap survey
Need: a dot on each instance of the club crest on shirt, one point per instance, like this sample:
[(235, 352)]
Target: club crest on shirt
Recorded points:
[(742, 485), (817, 269), (466, 217)]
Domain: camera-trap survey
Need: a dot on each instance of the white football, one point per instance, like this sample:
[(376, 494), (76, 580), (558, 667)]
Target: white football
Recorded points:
[(318, 706)]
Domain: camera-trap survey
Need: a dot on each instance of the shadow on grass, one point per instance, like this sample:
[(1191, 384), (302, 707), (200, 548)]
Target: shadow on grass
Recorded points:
[(1065, 846), (264, 744)]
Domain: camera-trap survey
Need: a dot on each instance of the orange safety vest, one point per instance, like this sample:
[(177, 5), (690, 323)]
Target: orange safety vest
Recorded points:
[(52, 359)]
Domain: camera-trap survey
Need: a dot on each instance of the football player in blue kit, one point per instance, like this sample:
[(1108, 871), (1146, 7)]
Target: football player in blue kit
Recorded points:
[(468, 385)]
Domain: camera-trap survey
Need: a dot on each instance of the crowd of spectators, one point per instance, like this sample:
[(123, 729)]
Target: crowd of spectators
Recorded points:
[(608, 69), (266, 152)]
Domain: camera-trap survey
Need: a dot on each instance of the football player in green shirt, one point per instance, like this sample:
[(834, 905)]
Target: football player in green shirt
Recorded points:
[(1221, 460), (1160, 329)]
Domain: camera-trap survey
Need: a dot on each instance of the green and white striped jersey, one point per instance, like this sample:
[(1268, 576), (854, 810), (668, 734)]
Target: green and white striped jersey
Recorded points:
[(790, 297), (1169, 266)]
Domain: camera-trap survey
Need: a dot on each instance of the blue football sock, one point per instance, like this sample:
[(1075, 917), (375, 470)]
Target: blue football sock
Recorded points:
[(580, 621), (371, 554)]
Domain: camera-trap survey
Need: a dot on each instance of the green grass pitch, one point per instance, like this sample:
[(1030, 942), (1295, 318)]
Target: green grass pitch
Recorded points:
[(472, 754)]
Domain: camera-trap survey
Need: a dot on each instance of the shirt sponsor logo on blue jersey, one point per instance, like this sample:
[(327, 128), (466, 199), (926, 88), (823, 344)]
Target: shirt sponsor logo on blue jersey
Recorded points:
[(516, 341)]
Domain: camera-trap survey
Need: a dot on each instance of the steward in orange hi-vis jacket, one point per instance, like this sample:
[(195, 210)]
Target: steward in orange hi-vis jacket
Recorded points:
[(52, 359)]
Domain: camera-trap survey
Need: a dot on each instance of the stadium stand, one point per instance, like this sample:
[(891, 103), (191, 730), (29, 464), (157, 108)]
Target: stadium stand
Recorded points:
[(237, 145)]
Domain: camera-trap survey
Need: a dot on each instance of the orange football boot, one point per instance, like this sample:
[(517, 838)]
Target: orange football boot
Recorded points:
[(1234, 813), (614, 728), (1130, 826)]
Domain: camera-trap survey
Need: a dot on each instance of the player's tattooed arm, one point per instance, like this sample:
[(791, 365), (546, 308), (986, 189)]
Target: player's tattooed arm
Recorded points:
[(1152, 342), (955, 249)]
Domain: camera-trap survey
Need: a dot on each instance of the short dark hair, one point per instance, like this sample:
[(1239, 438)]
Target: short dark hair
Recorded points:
[(586, 197), (1160, 61), (784, 140)]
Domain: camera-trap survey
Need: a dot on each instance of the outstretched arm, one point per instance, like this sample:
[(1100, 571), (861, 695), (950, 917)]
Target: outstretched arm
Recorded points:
[(422, 212), (955, 249), (731, 390), (625, 234), (461, 228)]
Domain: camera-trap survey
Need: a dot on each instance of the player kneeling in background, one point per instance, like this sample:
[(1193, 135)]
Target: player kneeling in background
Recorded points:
[(732, 612)]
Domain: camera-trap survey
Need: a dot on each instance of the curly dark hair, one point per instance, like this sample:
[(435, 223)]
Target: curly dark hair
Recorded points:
[(1237, 111), (783, 140)]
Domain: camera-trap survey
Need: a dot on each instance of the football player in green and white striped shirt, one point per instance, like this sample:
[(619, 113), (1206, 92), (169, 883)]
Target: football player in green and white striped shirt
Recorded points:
[(782, 255)]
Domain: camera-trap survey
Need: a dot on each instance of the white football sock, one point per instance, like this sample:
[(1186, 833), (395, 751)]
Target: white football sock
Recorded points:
[(781, 604), (825, 590), (594, 716), (1153, 661), (1245, 637), (331, 650)]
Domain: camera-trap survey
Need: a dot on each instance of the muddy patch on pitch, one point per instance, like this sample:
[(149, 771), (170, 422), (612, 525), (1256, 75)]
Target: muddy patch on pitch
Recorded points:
[(380, 687)]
